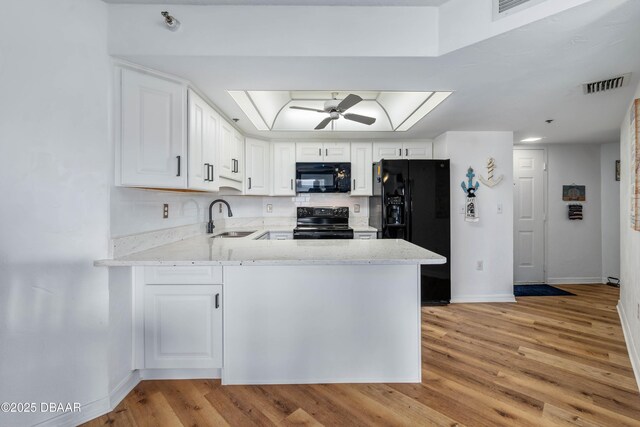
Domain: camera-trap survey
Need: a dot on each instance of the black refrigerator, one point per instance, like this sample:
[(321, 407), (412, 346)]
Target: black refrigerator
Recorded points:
[(411, 201)]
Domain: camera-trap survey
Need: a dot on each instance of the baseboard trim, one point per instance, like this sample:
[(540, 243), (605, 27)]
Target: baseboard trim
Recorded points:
[(574, 280), (118, 394), (88, 412), (463, 299), (631, 346), (180, 374)]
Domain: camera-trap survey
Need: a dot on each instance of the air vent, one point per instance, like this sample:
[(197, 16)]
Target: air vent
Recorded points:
[(605, 85), (504, 5), (503, 8)]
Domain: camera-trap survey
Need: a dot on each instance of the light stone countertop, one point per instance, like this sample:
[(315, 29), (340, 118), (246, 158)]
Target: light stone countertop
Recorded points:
[(204, 250)]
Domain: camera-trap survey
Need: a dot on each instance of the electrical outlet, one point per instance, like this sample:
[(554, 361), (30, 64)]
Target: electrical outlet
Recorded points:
[(269, 208), (356, 208), (480, 265), (165, 211)]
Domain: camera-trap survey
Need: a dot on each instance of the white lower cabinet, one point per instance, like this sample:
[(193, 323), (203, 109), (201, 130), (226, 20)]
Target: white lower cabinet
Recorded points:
[(182, 326)]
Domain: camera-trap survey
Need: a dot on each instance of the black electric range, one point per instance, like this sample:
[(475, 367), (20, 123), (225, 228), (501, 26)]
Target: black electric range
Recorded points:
[(323, 223)]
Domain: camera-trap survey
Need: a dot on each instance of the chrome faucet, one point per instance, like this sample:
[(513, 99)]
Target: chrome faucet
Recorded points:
[(210, 225)]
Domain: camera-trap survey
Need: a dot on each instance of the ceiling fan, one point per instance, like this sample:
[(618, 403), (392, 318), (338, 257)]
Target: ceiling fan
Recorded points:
[(336, 108)]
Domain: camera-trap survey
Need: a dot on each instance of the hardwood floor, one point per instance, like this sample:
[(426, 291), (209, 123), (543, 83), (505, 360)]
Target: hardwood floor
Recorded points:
[(542, 361)]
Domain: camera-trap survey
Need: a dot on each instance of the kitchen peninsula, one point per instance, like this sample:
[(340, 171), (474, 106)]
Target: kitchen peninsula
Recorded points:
[(275, 311)]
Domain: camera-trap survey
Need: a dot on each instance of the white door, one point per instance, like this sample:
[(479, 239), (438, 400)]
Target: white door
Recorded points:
[(183, 326), (417, 150), (257, 167), (203, 137), (284, 168), (529, 216), (387, 150), (361, 169), (309, 152), (227, 146), (153, 132), (238, 155), (336, 152)]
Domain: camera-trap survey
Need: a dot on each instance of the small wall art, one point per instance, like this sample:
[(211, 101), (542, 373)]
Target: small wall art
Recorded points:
[(491, 180), (574, 193), (471, 203)]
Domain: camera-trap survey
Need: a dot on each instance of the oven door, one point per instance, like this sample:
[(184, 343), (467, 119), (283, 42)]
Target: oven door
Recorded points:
[(323, 177)]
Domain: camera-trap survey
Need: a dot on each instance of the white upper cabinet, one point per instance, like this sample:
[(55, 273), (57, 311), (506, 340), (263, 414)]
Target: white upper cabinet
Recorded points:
[(152, 143), (284, 168), (204, 138), (231, 152), (337, 152), (402, 150), (417, 150), (361, 168), (257, 167), (387, 150), (330, 152)]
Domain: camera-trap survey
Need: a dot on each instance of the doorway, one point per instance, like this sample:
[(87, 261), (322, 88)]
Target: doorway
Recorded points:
[(529, 215)]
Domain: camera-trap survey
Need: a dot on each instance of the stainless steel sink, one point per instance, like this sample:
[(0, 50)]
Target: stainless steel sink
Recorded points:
[(233, 234)]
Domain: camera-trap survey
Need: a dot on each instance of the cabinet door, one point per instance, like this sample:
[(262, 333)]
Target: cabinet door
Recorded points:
[(284, 168), (387, 150), (203, 138), (227, 150), (361, 169), (417, 150), (153, 132), (238, 155), (336, 152), (309, 152), (183, 326), (257, 167)]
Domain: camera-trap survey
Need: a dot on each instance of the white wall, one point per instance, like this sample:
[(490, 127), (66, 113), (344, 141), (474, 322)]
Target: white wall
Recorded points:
[(54, 179), (629, 305), (610, 210), (574, 248), (136, 211), (491, 239)]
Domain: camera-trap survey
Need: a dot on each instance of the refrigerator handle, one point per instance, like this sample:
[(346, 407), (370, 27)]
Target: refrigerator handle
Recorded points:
[(408, 214)]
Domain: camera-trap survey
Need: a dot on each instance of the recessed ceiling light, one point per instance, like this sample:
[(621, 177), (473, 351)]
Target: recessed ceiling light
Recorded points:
[(530, 139)]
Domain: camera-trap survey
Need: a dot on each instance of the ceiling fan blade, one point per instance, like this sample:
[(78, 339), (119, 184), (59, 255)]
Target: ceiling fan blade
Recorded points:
[(348, 102), (360, 119), (323, 124), (306, 109)]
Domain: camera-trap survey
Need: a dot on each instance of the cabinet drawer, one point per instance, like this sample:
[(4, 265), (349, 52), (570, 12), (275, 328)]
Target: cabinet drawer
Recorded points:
[(191, 275)]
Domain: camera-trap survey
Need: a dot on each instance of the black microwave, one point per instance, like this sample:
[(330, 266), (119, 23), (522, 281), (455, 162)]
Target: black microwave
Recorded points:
[(323, 177)]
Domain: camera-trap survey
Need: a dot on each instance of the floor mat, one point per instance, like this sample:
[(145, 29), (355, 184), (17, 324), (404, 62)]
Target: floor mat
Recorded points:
[(538, 291)]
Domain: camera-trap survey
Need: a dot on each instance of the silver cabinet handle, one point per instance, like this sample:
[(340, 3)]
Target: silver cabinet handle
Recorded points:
[(320, 152), (212, 176), (217, 298), (400, 152), (326, 151), (178, 157), (292, 183), (249, 183), (406, 152), (354, 184), (208, 169)]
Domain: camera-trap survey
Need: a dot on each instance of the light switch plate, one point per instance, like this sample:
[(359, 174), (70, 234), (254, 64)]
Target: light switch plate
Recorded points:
[(356, 208), (269, 208)]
